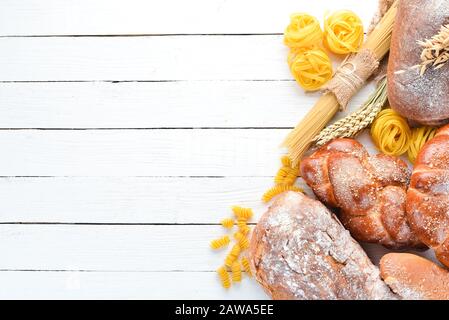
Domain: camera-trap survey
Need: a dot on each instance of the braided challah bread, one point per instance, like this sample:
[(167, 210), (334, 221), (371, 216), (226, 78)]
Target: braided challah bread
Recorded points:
[(369, 191), (428, 195)]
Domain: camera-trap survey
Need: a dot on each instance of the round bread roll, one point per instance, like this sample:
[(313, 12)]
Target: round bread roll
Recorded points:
[(428, 195), (299, 250), (414, 278)]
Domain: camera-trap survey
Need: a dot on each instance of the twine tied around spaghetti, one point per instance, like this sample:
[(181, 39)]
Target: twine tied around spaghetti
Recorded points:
[(351, 76)]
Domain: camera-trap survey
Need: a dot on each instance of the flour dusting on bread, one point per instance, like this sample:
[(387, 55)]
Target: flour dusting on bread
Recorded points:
[(301, 251)]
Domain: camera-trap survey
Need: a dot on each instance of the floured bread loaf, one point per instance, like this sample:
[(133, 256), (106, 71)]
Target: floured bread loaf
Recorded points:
[(414, 278), (299, 250), (422, 99)]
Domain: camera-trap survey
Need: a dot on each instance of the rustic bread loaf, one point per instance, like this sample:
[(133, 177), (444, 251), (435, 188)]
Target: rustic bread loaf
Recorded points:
[(299, 250), (414, 278), (422, 99), (428, 195), (368, 191)]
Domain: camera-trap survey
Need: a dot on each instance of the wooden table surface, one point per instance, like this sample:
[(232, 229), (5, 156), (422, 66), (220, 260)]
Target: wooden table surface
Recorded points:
[(128, 129)]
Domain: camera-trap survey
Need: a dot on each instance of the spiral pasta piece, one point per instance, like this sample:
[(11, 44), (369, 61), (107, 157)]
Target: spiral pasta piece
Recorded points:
[(286, 161), (246, 266), (287, 174), (242, 213), (343, 32), (303, 31), (235, 251), (419, 137), (391, 133), (236, 272), (311, 68), (242, 240), (224, 277), (243, 227), (227, 223), (220, 242), (278, 189), (229, 260)]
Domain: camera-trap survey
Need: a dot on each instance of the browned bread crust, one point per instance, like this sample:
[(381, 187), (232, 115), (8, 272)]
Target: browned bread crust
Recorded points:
[(428, 195), (369, 191), (414, 278), (299, 250), (423, 99)]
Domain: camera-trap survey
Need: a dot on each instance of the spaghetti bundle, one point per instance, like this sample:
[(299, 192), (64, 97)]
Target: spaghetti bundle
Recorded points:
[(343, 32), (311, 68), (303, 31), (391, 133)]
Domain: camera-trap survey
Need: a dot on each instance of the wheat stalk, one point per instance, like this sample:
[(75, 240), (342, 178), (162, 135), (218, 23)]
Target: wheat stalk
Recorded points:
[(352, 124), (435, 50)]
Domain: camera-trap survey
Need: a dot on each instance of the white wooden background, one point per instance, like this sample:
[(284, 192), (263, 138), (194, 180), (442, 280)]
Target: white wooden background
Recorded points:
[(128, 129)]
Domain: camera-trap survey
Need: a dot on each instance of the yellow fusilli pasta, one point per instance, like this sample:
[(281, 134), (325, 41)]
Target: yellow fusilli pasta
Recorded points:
[(286, 162), (286, 174), (246, 266), (235, 251), (236, 272), (233, 255), (220, 242), (242, 240), (227, 223), (343, 32), (278, 189), (243, 227), (311, 68), (303, 31), (419, 137), (242, 213), (391, 133), (224, 277)]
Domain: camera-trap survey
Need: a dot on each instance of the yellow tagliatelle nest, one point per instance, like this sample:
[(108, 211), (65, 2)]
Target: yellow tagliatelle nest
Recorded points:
[(311, 68), (419, 137), (304, 31), (391, 133), (343, 32)]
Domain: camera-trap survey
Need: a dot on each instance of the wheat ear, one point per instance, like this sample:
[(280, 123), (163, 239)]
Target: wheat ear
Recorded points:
[(352, 124), (435, 51)]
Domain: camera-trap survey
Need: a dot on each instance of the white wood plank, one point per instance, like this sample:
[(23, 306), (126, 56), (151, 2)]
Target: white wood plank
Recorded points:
[(136, 249), (180, 152), (128, 200), (148, 58), (218, 152), (156, 104), (123, 285), (110, 248), (131, 248), (87, 17)]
